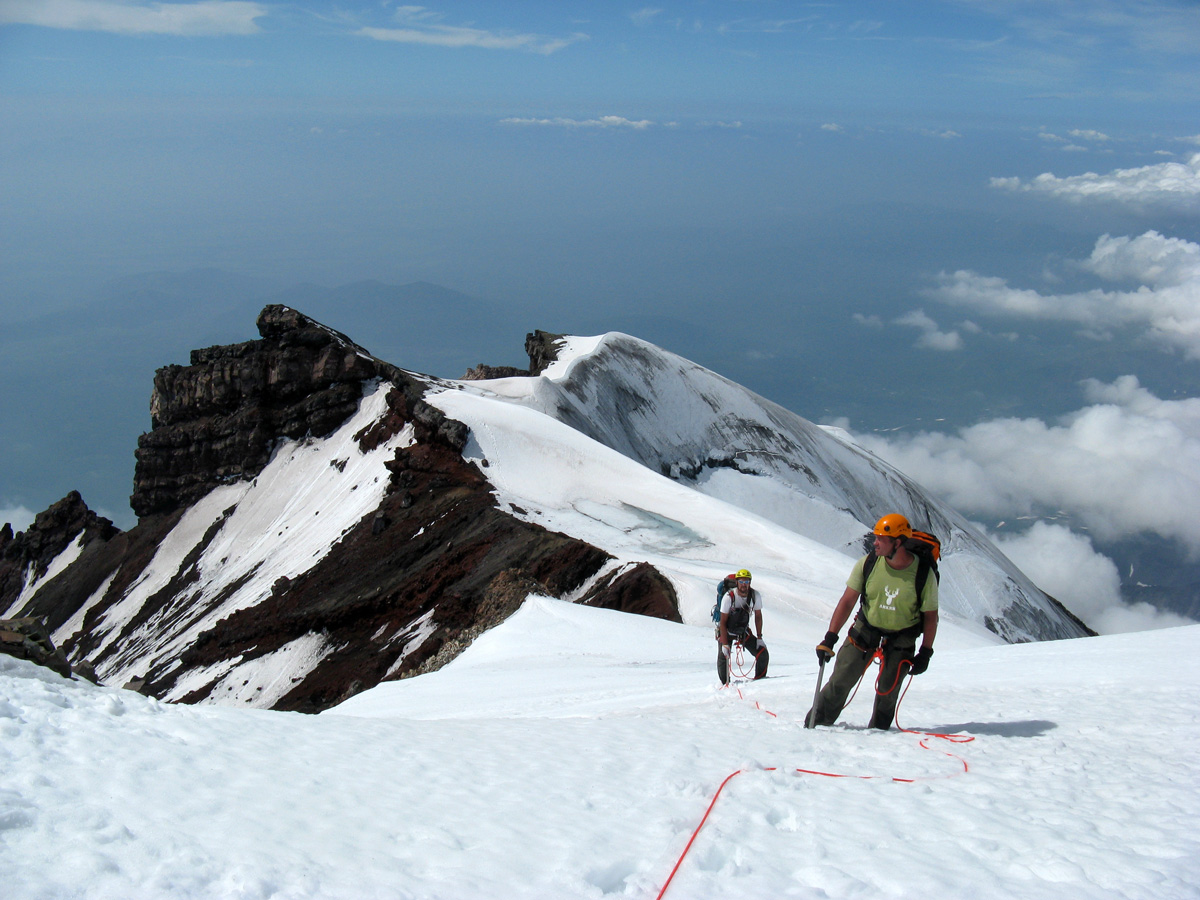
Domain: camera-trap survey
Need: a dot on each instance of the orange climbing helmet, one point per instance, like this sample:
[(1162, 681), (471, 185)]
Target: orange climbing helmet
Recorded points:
[(893, 525)]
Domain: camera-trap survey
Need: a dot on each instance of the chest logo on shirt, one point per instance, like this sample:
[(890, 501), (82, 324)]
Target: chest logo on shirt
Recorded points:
[(890, 594)]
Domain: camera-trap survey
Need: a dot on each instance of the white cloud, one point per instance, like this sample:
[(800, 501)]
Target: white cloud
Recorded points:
[(203, 18), (645, 16), (418, 25), (601, 122), (869, 321), (1067, 567), (1089, 135), (765, 26), (1149, 258), (1164, 305), (932, 338), (1127, 463), (18, 516), (832, 126), (1168, 183)]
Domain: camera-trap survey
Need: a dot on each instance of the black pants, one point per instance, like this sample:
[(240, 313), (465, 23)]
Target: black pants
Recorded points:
[(750, 642)]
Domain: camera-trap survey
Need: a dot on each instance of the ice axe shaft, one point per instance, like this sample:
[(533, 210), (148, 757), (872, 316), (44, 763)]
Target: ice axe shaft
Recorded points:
[(812, 713)]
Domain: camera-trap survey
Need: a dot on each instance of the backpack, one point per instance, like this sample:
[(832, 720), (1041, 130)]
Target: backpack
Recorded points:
[(727, 584), (926, 547)]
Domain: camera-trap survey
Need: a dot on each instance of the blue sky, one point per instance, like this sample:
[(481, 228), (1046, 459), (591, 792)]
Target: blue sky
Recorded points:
[(304, 140), (816, 199)]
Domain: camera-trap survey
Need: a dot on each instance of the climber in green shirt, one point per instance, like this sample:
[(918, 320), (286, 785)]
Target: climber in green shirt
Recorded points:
[(893, 613)]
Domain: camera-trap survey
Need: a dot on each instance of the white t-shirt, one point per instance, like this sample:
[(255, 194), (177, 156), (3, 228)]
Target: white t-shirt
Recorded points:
[(733, 598)]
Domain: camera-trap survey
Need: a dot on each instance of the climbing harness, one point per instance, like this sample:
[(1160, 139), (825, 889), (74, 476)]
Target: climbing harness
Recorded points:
[(739, 664)]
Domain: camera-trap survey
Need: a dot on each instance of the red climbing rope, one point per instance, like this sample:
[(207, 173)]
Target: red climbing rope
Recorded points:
[(924, 742), (757, 705), (711, 804), (952, 738), (738, 659)]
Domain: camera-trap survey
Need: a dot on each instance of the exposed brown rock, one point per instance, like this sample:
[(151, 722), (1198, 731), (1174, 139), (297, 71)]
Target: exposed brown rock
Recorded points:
[(217, 420), (27, 638), (542, 347), (641, 589), (28, 555), (483, 372), (450, 552)]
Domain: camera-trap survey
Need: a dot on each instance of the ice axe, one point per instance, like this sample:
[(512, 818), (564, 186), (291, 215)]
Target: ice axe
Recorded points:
[(812, 713)]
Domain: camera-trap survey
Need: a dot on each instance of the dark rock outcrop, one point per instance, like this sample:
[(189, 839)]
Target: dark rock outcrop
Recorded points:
[(27, 638), (542, 347), (217, 420), (26, 557), (641, 589), (484, 372), (450, 554)]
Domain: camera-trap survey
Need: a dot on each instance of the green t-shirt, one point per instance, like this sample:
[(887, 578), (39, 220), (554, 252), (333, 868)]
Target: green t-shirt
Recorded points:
[(891, 596)]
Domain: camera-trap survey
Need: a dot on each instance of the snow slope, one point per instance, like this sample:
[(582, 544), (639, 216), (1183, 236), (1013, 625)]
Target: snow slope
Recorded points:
[(572, 753), (689, 425), (248, 534)]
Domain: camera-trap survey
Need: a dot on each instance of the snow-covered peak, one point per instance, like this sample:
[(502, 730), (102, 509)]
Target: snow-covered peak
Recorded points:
[(703, 431)]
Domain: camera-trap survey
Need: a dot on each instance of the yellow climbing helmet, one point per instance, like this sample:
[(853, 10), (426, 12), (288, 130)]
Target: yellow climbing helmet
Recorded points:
[(893, 525), (744, 573)]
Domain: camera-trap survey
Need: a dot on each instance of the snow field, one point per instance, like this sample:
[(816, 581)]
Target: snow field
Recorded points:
[(571, 752)]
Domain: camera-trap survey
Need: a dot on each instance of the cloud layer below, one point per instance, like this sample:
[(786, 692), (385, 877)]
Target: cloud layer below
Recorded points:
[(1170, 184), (1128, 462), (1067, 567), (1162, 301)]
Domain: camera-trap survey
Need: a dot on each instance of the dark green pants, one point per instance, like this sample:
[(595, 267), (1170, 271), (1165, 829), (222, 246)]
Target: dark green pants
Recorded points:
[(852, 662)]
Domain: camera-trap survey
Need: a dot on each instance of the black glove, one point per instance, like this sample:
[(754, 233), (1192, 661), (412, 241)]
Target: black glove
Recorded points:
[(825, 648), (921, 663)]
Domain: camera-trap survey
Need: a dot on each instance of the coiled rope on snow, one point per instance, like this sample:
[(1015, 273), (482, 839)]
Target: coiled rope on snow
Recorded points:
[(924, 742)]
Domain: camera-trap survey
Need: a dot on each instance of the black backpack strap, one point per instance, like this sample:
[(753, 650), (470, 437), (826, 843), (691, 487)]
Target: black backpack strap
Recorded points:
[(868, 565)]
